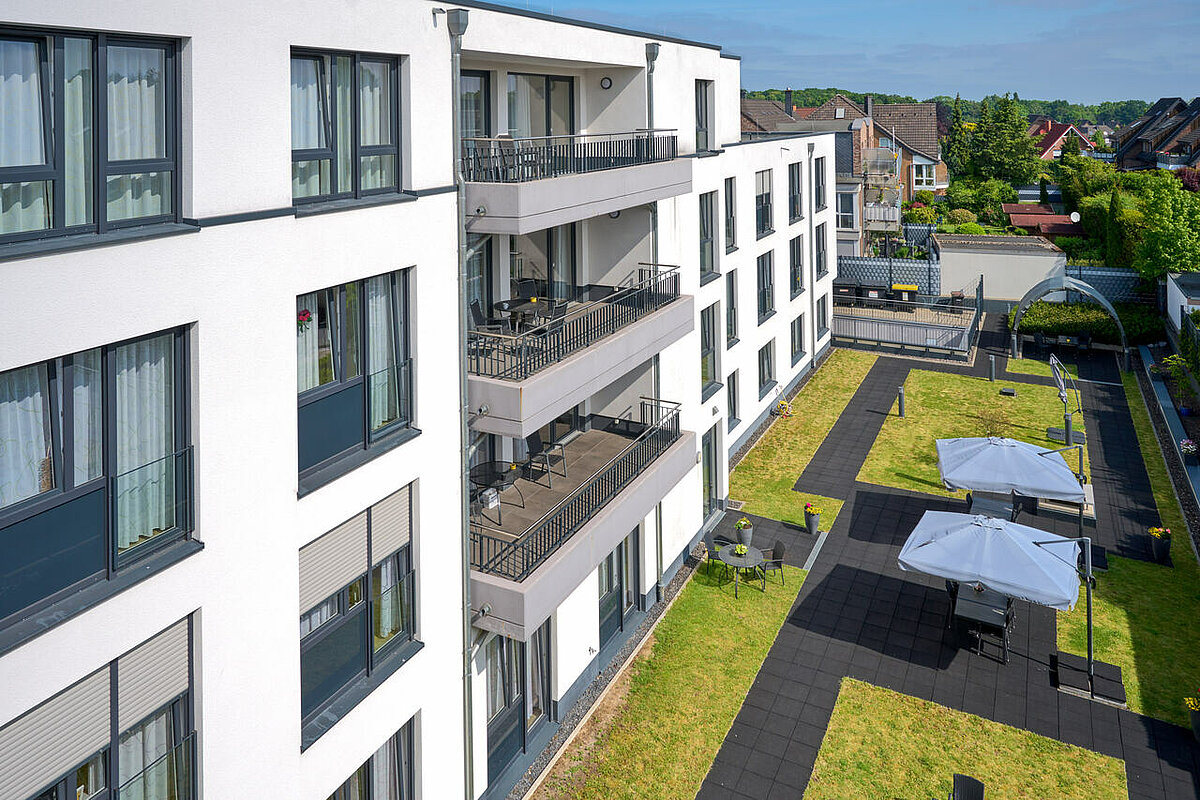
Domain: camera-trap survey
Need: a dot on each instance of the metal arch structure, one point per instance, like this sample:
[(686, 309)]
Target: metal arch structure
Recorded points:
[(1062, 283)]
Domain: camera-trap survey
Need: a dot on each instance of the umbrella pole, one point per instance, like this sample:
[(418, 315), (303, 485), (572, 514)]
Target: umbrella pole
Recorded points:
[(1087, 561)]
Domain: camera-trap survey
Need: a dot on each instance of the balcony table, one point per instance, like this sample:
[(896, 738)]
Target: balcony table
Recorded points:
[(498, 475), (752, 560), (988, 608), (522, 309)]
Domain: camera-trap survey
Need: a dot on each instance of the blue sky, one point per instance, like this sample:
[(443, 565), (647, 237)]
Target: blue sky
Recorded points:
[(1078, 50)]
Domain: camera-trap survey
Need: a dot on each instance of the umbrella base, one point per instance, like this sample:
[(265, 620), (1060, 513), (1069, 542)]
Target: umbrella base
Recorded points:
[(1070, 675)]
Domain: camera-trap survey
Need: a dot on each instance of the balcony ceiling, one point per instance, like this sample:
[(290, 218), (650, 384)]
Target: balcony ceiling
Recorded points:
[(517, 62)]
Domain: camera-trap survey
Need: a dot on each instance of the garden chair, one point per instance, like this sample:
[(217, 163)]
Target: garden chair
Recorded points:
[(1085, 344), (966, 788), (710, 557), (480, 321), (775, 562), (538, 454), (1039, 341), (998, 636)]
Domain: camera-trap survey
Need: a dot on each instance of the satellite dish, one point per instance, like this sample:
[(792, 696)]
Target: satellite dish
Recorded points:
[(1075, 216)]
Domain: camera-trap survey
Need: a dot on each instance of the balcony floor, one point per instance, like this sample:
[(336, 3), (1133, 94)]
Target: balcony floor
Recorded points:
[(586, 454)]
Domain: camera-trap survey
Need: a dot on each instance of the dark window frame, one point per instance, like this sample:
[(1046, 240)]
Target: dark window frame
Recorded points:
[(709, 351), (404, 748), (842, 215), (708, 246), (51, 59), (766, 371), (765, 268), (763, 211), (822, 317), (820, 248), (486, 77), (796, 265), (704, 122), (820, 196), (730, 215), (798, 351), (358, 150), (731, 400), (731, 309), (571, 98), (795, 193)]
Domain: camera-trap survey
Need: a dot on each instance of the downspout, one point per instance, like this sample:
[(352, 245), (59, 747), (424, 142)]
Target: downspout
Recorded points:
[(456, 24), (812, 248), (652, 49)]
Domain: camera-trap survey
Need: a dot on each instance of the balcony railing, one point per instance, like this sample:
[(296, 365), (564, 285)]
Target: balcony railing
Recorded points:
[(509, 160), (517, 356), (517, 559), (879, 161), (167, 778), (880, 213)]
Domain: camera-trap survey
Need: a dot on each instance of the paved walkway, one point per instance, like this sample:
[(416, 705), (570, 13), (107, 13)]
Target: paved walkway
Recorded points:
[(859, 615)]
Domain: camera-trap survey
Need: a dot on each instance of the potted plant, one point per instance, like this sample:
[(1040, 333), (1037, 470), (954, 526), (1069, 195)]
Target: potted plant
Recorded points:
[(1160, 544), (745, 530), (741, 549), (1193, 704), (812, 518), (1189, 449)]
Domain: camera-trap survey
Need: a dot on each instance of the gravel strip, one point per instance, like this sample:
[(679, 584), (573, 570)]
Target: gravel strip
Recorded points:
[(596, 688)]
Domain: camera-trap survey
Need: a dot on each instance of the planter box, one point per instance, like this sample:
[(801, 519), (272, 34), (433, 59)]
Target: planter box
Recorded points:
[(812, 522), (1160, 549), (745, 535)]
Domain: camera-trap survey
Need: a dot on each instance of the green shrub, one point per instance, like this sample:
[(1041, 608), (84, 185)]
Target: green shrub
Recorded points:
[(920, 216), (961, 216), (1142, 323), (971, 228), (924, 196), (962, 194)]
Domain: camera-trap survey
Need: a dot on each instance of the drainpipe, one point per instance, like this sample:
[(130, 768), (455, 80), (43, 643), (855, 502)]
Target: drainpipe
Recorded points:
[(812, 247), (652, 49), (456, 24)]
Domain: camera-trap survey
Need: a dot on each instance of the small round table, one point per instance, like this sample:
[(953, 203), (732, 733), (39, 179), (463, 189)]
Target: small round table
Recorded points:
[(498, 475), (522, 308), (752, 560)]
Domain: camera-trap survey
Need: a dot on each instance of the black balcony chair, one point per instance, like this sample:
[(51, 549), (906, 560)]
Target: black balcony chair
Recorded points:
[(538, 456), (712, 556), (775, 562), (997, 636), (481, 322), (966, 788), (1039, 342), (523, 288), (545, 340), (1085, 344)]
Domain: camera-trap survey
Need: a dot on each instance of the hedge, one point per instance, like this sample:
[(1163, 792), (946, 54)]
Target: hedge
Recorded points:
[(961, 216), (1142, 323)]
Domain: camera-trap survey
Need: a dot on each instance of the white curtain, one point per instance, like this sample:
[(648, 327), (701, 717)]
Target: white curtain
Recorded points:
[(344, 92), (23, 206), (137, 129), (88, 447), (384, 397), (307, 353), (77, 137), (526, 106), (25, 463), (375, 123), (145, 439), (385, 772), (139, 749), (308, 113), (389, 616)]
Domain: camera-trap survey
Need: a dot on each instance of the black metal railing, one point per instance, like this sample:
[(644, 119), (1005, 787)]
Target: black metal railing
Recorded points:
[(516, 559), (509, 160), (516, 356)]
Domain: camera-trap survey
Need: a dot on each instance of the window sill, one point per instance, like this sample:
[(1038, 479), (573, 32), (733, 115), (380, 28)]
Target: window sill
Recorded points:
[(349, 203), (822, 333), (354, 693), (822, 207), (708, 277), (733, 423), (708, 390), (730, 249), (34, 625), (731, 342), (86, 241), (798, 357), (339, 466), (764, 317), (821, 275), (766, 389), (794, 220), (765, 234), (797, 292)]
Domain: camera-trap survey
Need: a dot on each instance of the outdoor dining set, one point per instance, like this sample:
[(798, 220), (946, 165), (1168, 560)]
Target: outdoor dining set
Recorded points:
[(490, 479)]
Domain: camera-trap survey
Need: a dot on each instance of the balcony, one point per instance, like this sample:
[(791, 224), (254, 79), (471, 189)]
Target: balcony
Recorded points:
[(527, 378), (528, 184), (544, 541), (880, 166), (879, 217)]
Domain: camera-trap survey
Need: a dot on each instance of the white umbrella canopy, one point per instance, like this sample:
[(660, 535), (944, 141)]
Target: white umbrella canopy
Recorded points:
[(1014, 559), (995, 464)]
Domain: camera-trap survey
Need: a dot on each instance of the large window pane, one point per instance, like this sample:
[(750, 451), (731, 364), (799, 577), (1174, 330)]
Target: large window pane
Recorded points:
[(87, 433), (378, 172), (355, 787), (143, 194), (387, 772), (374, 103), (474, 88), (25, 206), (332, 662), (560, 107), (21, 104), (527, 105), (391, 601), (310, 178), (382, 352), (26, 465), (144, 744), (137, 103), (310, 114), (79, 148)]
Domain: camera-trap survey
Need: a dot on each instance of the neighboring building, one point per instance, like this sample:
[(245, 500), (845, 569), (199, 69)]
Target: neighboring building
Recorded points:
[(764, 116), (1010, 265), (231, 487), (1050, 135), (1167, 136), (1183, 296), (1041, 219), (1105, 132)]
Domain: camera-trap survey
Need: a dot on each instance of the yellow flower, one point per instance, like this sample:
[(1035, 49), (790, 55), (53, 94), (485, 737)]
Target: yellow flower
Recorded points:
[(1193, 703)]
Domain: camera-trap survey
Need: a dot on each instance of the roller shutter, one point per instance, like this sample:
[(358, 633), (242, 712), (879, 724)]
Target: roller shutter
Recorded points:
[(152, 675), (391, 523), (333, 561)]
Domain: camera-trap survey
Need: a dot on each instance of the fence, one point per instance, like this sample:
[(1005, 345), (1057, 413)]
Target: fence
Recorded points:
[(1117, 284), (515, 560), (926, 274), (508, 160), (930, 325), (918, 235)]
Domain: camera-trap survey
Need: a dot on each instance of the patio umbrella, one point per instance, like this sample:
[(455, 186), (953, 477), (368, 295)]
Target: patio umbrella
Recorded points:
[(994, 464), (1014, 559)]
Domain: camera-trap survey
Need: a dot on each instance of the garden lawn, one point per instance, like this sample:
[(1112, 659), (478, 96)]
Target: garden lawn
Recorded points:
[(765, 477), (944, 406), (1144, 615), (1034, 366), (682, 696), (882, 745)]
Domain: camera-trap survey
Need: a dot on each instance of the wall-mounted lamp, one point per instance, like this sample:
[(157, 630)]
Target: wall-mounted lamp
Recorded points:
[(606, 83), (614, 214), (716, 411)]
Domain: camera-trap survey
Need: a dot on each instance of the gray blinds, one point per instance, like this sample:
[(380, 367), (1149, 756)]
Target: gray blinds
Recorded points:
[(152, 675), (391, 523), (333, 561), (39, 748)]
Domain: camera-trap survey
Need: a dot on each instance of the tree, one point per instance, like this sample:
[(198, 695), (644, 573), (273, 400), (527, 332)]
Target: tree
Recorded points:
[(1112, 234), (1171, 242), (1043, 191), (956, 150), (1070, 145)]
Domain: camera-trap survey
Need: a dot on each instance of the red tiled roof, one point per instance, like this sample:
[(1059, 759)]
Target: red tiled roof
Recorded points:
[(1058, 130), (1061, 228), (802, 112), (1034, 220), (1025, 208)]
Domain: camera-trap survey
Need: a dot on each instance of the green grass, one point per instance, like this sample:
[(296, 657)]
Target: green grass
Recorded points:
[(1144, 615), (682, 698), (882, 745), (1033, 366), (765, 477), (945, 406)]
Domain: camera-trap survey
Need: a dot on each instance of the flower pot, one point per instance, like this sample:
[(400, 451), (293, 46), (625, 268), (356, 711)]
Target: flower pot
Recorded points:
[(1184, 411), (812, 522), (1195, 718), (1160, 548), (745, 535)]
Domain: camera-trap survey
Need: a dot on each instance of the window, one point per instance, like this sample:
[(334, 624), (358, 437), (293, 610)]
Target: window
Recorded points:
[(839, 113), (822, 317), (887, 143), (845, 209), (711, 492), (349, 588), (95, 465), (766, 368), (345, 125), (540, 105), (386, 775), (797, 339), (479, 271), (924, 176), (819, 183), (475, 94), (708, 352), (82, 152), (822, 260), (795, 193), (762, 202), (518, 694), (731, 307), (766, 285), (703, 115), (796, 265), (354, 371), (730, 214), (708, 221), (731, 397)]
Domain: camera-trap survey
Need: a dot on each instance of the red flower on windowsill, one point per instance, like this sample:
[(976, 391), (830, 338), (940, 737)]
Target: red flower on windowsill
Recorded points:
[(303, 320)]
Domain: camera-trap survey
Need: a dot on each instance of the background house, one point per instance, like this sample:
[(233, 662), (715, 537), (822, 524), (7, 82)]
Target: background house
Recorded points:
[(1167, 136), (1051, 135)]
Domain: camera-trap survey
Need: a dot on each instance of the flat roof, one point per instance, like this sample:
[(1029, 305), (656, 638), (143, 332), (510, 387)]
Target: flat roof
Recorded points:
[(597, 26), (1188, 283), (1001, 244)]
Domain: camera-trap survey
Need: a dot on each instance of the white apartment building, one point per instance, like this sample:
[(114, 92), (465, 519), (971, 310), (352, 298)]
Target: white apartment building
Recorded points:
[(272, 522)]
